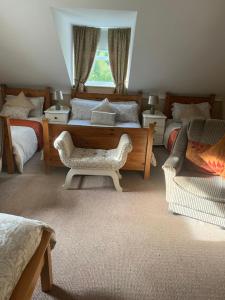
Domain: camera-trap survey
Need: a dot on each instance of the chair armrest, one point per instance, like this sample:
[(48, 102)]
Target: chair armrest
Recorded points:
[(64, 144), (174, 163), (124, 146)]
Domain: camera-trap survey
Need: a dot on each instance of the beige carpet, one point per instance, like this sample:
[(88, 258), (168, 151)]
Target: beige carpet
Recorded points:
[(118, 245)]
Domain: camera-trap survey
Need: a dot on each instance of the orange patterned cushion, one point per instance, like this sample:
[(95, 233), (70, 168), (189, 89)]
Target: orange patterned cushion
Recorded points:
[(215, 157), (193, 155)]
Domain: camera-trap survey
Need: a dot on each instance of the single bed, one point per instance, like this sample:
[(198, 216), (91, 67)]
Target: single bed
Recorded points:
[(25, 254), (103, 137), (23, 137), (173, 125)]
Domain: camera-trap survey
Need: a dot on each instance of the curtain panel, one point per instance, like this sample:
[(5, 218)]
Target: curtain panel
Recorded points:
[(119, 43), (85, 45)]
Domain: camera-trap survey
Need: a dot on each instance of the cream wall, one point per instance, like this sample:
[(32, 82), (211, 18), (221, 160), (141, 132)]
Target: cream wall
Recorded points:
[(179, 45)]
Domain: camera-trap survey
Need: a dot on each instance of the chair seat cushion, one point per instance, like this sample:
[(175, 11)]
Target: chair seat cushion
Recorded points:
[(82, 158), (208, 187)]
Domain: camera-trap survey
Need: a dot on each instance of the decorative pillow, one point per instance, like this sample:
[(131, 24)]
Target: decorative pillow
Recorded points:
[(38, 103), (187, 112), (21, 100), (214, 157), (193, 156), (82, 108), (15, 112), (127, 111), (103, 118), (105, 106)]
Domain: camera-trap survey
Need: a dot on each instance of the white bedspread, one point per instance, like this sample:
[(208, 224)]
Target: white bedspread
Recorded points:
[(118, 124), (25, 144), (19, 239)]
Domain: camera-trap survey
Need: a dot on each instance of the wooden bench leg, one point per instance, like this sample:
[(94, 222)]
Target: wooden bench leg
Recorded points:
[(46, 273)]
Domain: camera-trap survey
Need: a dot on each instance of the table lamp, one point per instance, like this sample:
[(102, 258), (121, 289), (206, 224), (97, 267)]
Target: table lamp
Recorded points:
[(58, 96), (152, 101)]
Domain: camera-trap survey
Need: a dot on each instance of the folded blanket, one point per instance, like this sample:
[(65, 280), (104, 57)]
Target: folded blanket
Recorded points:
[(19, 239), (35, 125)]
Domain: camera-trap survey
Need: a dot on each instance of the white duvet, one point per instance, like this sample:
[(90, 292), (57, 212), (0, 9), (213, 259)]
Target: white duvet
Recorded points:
[(25, 144)]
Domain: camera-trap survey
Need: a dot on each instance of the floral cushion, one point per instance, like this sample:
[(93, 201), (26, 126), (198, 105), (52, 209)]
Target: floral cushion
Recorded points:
[(214, 157), (105, 106), (21, 100), (193, 156), (15, 112), (103, 118)]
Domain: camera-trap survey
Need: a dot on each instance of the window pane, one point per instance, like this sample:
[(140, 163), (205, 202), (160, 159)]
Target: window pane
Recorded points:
[(101, 68)]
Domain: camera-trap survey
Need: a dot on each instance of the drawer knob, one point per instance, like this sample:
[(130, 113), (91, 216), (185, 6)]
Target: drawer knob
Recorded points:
[(55, 118)]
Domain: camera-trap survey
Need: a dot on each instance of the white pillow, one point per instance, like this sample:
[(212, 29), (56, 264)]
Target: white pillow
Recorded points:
[(15, 112), (127, 111), (19, 100), (82, 108), (103, 118), (190, 111), (37, 102), (105, 106)]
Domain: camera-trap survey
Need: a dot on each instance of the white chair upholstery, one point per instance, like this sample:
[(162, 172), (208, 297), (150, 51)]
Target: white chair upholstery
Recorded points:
[(82, 161)]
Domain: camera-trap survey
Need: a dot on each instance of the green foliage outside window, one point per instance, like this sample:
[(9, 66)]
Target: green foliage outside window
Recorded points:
[(101, 70)]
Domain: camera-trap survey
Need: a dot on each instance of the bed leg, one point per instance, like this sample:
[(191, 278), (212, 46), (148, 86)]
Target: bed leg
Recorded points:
[(46, 273)]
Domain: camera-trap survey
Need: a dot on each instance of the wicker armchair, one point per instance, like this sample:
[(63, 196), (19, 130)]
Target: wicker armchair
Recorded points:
[(192, 193)]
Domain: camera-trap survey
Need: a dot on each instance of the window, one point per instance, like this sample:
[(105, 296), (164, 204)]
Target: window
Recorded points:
[(101, 74)]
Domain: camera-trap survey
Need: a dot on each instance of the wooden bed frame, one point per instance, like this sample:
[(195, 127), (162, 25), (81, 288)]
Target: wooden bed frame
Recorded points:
[(8, 158), (174, 98), (103, 137), (39, 265)]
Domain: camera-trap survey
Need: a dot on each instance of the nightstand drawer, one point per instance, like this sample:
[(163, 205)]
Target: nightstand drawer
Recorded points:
[(159, 122), (57, 117)]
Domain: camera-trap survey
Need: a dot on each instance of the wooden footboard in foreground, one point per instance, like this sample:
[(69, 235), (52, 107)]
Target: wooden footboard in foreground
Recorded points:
[(102, 138), (39, 265), (8, 159)]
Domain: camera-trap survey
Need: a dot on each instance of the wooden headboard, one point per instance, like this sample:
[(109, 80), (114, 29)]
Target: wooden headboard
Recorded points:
[(45, 92), (172, 98), (112, 97)]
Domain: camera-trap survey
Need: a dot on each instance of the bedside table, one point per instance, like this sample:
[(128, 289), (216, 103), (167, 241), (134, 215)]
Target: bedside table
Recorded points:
[(57, 116), (160, 119)]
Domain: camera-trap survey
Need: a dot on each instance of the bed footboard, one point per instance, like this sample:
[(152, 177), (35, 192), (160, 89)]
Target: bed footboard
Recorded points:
[(8, 158), (102, 138)]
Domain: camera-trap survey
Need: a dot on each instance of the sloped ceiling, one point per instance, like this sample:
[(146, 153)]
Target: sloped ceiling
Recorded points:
[(179, 45)]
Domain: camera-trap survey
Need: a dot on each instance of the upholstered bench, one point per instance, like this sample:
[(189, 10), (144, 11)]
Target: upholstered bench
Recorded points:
[(82, 161)]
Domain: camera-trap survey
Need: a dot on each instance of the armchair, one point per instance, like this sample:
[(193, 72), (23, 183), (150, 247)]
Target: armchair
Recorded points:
[(191, 193)]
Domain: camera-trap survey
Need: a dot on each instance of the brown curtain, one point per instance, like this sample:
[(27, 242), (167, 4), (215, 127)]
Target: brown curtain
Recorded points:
[(119, 42), (85, 45)]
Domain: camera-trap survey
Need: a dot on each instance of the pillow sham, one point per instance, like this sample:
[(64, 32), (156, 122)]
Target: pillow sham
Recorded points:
[(214, 157), (127, 111), (105, 106), (19, 101), (103, 118), (37, 102), (82, 108), (187, 112), (15, 112)]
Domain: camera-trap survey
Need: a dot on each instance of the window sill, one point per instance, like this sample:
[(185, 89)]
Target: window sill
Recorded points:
[(100, 84)]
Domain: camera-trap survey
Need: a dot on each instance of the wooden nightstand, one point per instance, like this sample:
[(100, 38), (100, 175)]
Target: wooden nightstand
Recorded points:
[(160, 119), (57, 116)]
